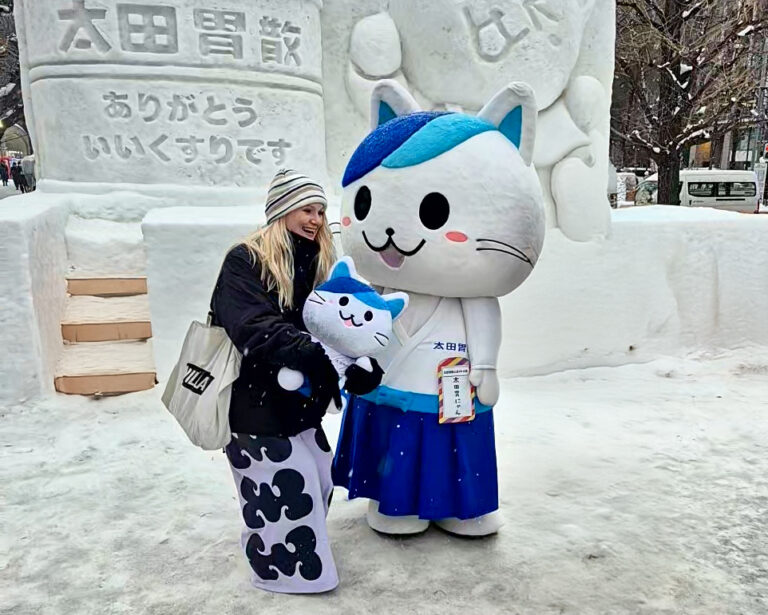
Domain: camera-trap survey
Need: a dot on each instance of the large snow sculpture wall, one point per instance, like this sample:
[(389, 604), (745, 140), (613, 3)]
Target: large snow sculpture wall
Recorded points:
[(174, 91), (32, 287), (455, 54)]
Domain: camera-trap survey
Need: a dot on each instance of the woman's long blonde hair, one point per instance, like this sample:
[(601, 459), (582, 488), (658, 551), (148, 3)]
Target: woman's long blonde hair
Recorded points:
[(272, 248)]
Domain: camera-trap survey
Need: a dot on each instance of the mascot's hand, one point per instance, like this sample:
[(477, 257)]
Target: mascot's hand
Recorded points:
[(360, 380), (487, 383)]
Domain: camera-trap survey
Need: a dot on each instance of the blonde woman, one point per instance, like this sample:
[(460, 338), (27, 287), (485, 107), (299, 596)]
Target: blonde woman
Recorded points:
[(280, 457)]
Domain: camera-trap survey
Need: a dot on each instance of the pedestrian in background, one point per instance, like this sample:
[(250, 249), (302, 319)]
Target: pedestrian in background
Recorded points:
[(28, 172), (15, 170)]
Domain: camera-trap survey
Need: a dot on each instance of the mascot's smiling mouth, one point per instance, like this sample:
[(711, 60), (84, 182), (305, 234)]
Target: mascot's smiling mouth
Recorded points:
[(393, 256), (349, 321)]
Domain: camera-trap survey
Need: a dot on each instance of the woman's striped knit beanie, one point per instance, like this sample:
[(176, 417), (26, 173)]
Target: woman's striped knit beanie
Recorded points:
[(289, 191)]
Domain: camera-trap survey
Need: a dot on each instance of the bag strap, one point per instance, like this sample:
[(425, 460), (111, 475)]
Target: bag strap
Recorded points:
[(211, 315)]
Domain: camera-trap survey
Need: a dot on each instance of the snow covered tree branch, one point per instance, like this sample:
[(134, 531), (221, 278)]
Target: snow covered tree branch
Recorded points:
[(687, 70), (11, 102)]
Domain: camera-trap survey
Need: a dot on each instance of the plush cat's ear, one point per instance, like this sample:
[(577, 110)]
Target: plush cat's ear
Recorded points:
[(343, 268), (389, 100), (396, 303), (514, 112)]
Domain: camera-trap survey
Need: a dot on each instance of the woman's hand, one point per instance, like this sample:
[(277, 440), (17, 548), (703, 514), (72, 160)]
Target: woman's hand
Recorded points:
[(361, 381)]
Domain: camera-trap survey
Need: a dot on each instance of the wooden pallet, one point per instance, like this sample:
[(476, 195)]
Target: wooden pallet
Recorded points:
[(106, 329), (106, 368), (101, 319), (107, 287)]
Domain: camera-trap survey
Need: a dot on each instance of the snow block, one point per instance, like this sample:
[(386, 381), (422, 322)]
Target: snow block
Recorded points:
[(104, 248), (33, 263), (669, 280), (185, 247)]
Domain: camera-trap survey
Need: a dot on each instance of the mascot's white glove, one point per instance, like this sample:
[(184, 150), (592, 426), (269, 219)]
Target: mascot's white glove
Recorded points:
[(487, 383)]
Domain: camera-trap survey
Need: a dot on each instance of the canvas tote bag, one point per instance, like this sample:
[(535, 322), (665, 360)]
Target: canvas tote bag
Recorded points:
[(200, 386)]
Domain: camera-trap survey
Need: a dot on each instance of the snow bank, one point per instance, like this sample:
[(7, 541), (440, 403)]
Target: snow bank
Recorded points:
[(33, 262), (638, 489), (658, 285), (665, 213)]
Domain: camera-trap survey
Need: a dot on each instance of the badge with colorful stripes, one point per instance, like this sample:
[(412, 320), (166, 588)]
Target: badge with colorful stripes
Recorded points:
[(456, 395)]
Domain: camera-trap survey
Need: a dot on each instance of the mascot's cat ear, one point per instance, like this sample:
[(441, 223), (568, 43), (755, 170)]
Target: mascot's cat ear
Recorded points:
[(389, 99), (514, 112), (396, 303), (343, 268)]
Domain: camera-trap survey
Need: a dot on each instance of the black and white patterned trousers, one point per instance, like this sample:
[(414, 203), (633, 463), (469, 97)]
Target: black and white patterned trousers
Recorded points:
[(285, 490)]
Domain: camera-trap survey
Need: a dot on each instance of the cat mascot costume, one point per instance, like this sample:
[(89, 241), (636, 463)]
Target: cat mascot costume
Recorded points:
[(448, 208)]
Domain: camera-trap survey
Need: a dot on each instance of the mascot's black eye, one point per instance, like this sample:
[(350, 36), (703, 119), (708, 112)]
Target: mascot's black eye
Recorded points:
[(343, 301), (368, 315), (362, 203), (434, 211)]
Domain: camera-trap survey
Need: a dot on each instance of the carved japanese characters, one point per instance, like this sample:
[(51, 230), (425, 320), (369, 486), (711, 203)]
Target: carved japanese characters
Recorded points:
[(175, 92)]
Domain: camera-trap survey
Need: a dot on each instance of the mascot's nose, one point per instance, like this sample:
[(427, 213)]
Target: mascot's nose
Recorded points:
[(390, 231)]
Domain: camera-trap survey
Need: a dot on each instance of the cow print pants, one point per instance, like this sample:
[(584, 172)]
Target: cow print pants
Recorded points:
[(285, 490)]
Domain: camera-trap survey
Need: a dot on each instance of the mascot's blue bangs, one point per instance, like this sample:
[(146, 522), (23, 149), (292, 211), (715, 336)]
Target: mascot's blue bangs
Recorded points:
[(409, 140), (363, 292)]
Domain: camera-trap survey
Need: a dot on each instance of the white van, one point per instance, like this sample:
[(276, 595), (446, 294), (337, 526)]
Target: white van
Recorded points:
[(731, 190)]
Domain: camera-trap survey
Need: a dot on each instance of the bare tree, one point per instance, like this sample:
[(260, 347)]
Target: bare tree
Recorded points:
[(688, 67), (11, 102)]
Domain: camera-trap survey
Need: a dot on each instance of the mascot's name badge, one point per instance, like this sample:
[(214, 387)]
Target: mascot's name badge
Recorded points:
[(456, 397)]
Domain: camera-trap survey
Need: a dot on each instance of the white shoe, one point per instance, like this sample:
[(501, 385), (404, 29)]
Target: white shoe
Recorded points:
[(479, 526), (394, 525)]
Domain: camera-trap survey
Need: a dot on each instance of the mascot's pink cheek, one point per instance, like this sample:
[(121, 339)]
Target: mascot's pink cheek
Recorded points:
[(456, 236), (345, 221)]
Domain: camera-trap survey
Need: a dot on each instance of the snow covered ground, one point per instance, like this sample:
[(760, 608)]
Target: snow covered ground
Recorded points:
[(637, 489), (9, 190)]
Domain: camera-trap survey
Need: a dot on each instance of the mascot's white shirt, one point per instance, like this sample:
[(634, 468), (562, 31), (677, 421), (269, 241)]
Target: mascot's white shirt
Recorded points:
[(430, 331)]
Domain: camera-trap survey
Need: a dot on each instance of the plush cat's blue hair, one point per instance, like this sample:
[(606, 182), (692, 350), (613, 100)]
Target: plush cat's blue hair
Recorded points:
[(350, 286), (364, 293), (411, 139), (342, 282)]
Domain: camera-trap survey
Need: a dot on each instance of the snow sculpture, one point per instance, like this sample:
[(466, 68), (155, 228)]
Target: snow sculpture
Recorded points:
[(454, 54), (176, 92), (447, 207), (350, 319)]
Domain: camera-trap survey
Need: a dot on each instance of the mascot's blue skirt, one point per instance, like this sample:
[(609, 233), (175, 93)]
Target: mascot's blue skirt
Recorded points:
[(412, 465)]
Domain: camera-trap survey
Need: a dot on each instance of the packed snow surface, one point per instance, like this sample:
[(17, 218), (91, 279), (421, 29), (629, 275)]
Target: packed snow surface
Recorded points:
[(637, 489), (666, 213)]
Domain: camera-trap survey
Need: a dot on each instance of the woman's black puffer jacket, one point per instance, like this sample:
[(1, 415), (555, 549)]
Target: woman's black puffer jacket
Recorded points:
[(269, 338)]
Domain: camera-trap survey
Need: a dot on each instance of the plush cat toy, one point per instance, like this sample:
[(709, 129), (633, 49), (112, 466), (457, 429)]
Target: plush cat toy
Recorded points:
[(350, 319), (447, 207)]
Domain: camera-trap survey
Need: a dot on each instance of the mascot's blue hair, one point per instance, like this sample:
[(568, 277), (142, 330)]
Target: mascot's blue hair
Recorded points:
[(350, 286), (411, 139), (341, 282)]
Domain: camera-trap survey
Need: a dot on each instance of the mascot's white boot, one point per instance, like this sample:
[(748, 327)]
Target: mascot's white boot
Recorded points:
[(481, 526), (394, 525)]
